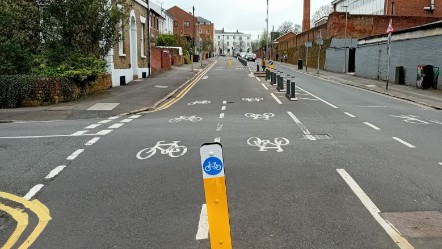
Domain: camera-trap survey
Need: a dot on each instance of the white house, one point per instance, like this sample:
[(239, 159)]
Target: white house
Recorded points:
[(230, 42)]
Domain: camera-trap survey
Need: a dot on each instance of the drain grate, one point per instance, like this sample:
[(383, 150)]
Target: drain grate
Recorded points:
[(416, 224), (319, 137)]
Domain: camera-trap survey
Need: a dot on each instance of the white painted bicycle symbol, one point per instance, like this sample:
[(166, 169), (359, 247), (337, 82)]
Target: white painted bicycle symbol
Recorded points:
[(204, 102), (172, 149), (265, 145), (411, 119), (252, 99), (212, 165), (264, 116), (187, 118)]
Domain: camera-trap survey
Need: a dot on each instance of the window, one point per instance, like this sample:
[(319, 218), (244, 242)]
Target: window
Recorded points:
[(175, 23), (121, 40), (207, 31), (142, 40), (227, 43), (201, 31), (186, 24)]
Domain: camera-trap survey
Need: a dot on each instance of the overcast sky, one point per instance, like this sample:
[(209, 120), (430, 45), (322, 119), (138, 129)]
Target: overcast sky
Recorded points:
[(248, 16)]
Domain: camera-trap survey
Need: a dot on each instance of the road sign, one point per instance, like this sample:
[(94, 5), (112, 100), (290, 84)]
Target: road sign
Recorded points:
[(271, 65), (309, 44), (212, 166)]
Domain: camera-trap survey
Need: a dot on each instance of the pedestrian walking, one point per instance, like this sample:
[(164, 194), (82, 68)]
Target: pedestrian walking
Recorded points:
[(263, 64)]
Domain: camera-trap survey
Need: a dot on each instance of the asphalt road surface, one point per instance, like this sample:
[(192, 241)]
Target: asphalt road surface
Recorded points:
[(338, 168)]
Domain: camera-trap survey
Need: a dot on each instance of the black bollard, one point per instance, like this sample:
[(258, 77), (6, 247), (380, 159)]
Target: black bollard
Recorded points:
[(257, 67), (278, 78), (287, 92), (292, 95), (281, 84)]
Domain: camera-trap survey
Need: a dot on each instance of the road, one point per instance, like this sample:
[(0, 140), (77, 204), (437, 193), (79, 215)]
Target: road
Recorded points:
[(339, 168)]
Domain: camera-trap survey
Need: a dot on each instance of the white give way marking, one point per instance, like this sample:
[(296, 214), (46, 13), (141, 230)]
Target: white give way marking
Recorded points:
[(265, 145), (172, 149), (204, 102), (252, 99)]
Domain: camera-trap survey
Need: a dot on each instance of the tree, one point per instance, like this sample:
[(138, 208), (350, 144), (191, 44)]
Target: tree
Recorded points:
[(288, 26), (324, 10), (19, 36), (263, 40)]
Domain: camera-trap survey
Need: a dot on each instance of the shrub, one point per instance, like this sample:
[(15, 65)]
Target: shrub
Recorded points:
[(14, 89)]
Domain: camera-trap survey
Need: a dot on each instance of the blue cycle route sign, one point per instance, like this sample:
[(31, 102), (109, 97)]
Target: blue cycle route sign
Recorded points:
[(212, 166)]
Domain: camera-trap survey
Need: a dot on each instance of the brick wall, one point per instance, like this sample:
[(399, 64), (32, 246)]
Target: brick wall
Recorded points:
[(161, 60), (414, 8)]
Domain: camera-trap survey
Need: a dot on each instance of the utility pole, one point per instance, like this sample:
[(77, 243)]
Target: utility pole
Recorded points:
[(267, 35), (345, 40)]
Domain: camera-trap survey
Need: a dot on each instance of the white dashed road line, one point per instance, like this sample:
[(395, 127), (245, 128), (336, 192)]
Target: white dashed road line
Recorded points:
[(75, 154), (33, 191), (115, 126), (403, 142), (375, 212), (135, 116), (115, 117), (219, 127), (440, 163), (55, 172), (93, 126), (276, 98), (223, 108), (105, 121), (224, 102), (318, 98), (203, 225), (217, 140), (372, 126), (221, 115), (79, 133), (350, 115), (258, 79), (92, 141), (103, 132), (126, 120), (265, 87)]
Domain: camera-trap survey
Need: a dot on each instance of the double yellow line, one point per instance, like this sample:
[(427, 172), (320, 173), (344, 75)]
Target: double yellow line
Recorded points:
[(22, 219), (184, 91)]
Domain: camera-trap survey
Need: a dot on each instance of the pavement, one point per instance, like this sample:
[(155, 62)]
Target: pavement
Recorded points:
[(138, 95), (146, 94), (430, 97)]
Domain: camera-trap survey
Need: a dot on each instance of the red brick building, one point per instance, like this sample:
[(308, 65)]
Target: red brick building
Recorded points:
[(183, 22)]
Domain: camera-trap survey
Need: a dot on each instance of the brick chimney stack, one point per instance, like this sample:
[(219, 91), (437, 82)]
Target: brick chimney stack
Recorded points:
[(306, 20)]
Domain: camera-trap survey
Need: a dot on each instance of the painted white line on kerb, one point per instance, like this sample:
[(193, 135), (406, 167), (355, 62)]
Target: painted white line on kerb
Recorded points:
[(92, 141), (79, 133), (302, 126), (75, 154), (403, 142), (105, 121), (93, 126), (318, 98), (33, 191), (115, 126), (127, 120), (203, 225), (350, 115), (276, 98), (374, 211), (372, 126), (258, 79), (103, 132), (265, 87), (217, 140), (223, 108), (55, 172), (221, 115)]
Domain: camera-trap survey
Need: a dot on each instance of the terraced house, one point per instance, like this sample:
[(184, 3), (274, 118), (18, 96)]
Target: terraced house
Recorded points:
[(129, 58)]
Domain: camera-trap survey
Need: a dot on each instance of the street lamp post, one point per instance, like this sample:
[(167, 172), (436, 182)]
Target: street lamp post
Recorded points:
[(267, 35)]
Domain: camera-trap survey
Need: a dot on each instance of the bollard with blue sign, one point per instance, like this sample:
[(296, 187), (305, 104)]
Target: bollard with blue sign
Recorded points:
[(212, 166)]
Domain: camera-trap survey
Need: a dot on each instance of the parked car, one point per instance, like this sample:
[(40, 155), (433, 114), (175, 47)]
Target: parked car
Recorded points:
[(251, 57), (243, 54)]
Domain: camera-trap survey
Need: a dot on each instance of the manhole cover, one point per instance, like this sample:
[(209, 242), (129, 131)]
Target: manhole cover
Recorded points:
[(319, 137), (416, 224)]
